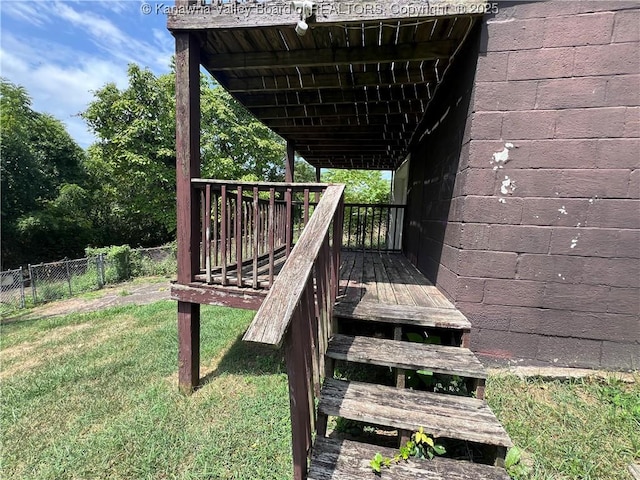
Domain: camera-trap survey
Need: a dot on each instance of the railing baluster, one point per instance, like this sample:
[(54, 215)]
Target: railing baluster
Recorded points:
[(203, 239), (305, 215), (239, 236), (223, 233), (207, 228), (386, 228), (215, 229), (289, 221), (256, 239), (271, 227), (395, 226)]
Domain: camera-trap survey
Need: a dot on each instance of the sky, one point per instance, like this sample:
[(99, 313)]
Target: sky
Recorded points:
[(62, 51)]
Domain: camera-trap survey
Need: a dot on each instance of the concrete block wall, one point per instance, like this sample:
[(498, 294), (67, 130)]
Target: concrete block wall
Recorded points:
[(549, 250), (537, 240)]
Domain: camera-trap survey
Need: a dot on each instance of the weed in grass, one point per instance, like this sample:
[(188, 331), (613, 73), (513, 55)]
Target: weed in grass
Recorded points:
[(97, 404), (579, 429)]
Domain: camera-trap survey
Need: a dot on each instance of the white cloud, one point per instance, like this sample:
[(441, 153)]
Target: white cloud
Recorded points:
[(60, 77), (113, 41), (62, 90), (31, 12)]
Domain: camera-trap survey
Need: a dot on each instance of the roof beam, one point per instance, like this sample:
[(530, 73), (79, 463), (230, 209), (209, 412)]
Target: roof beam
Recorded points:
[(293, 82), (330, 56), (326, 12), (342, 110), (335, 96)]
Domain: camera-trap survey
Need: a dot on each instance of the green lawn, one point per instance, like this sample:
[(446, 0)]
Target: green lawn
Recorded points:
[(95, 396), (584, 429)]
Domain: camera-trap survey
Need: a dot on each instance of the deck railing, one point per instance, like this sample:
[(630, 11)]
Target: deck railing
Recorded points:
[(297, 313), (248, 228), (373, 226)]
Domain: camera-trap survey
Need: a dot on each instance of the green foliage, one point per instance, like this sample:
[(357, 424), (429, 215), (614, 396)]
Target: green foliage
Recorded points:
[(118, 262), (421, 445), (362, 186), (94, 396), (41, 173), (569, 429), (234, 144), (513, 465), (132, 165), (303, 172), (142, 266)]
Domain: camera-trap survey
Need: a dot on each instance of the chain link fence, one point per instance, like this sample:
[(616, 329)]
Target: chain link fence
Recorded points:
[(56, 280), (12, 285)]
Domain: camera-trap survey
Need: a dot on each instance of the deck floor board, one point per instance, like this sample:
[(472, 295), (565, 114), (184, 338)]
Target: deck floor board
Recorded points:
[(389, 278)]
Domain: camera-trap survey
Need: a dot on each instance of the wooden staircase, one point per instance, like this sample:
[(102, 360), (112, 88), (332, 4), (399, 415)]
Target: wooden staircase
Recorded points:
[(442, 415)]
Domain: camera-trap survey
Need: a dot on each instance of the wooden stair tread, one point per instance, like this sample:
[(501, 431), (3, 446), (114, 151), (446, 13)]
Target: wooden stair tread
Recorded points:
[(441, 415), (403, 314), (406, 355), (333, 459)]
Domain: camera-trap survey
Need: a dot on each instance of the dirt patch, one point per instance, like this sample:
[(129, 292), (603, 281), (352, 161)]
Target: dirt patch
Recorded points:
[(130, 293)]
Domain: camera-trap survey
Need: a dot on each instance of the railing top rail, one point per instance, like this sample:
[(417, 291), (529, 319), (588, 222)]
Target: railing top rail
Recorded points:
[(274, 316), (277, 185), (380, 205)]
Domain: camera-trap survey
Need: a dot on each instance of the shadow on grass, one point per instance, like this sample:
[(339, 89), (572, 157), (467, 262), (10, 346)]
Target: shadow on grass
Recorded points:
[(244, 358)]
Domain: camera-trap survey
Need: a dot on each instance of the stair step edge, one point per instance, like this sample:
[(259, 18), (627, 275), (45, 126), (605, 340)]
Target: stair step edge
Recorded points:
[(441, 415), (406, 355), (434, 317), (348, 460)]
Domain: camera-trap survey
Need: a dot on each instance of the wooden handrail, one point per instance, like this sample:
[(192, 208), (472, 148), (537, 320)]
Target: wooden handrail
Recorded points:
[(298, 313), (279, 186), (272, 320)]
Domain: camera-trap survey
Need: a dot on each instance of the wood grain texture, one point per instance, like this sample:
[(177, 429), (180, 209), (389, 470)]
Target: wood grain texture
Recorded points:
[(326, 12), (406, 355), (273, 317), (331, 56), (334, 459), (447, 416), (433, 317), (228, 296)]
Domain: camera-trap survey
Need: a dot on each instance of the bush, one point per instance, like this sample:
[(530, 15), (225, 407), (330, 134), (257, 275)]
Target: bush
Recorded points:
[(117, 262)]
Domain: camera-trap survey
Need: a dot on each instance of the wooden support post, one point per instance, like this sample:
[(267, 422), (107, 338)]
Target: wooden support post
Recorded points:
[(289, 162), (189, 346), (318, 181), (298, 397), (188, 222), (288, 177)]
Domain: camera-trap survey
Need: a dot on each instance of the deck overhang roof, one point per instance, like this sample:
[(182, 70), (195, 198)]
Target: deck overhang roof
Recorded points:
[(352, 92)]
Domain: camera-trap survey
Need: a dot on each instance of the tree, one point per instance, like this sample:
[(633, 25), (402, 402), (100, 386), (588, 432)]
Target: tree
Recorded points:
[(234, 144), (362, 186), (303, 172), (132, 165), (38, 157)]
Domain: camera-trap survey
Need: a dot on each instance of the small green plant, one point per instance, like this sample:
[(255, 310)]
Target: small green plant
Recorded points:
[(421, 445), (513, 465)]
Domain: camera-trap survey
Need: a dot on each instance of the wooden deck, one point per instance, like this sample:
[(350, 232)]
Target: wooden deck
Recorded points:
[(366, 277), (386, 278)]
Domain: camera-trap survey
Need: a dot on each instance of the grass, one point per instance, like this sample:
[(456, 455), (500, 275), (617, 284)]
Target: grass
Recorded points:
[(95, 396), (579, 429)]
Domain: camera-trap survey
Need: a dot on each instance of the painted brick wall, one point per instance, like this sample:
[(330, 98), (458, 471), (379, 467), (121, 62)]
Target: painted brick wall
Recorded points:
[(435, 187), (556, 243), (541, 244)]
